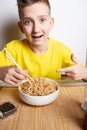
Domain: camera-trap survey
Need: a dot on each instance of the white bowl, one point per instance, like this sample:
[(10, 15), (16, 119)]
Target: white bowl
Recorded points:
[(39, 100)]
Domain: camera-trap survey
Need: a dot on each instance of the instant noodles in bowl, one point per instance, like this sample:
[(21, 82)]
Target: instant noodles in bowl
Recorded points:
[(42, 91)]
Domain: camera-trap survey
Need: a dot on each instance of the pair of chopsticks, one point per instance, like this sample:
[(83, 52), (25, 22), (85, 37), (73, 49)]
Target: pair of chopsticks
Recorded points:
[(14, 62)]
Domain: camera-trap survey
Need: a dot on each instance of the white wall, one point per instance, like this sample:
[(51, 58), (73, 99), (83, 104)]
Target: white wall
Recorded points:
[(8, 21), (70, 24)]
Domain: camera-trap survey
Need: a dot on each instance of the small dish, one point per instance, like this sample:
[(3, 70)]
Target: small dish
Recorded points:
[(41, 99)]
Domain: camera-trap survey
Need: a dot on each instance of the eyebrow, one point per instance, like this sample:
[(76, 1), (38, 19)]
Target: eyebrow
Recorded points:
[(38, 17)]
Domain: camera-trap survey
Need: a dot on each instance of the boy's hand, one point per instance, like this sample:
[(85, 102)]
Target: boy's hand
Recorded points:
[(12, 74), (76, 72)]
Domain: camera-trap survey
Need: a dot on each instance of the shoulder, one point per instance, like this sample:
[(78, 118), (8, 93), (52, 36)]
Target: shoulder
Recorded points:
[(16, 47), (16, 43), (58, 44)]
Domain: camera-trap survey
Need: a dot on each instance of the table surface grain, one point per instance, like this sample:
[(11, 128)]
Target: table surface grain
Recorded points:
[(64, 113)]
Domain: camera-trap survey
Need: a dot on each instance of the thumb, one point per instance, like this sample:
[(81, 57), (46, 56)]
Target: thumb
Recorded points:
[(74, 59)]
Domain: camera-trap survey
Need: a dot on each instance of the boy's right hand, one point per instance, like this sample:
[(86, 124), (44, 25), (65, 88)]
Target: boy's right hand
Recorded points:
[(12, 74)]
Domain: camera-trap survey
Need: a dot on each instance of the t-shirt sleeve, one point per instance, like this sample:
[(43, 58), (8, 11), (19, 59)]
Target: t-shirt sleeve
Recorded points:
[(67, 61)]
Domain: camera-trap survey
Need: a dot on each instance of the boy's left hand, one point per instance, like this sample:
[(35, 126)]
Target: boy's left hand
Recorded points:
[(75, 72)]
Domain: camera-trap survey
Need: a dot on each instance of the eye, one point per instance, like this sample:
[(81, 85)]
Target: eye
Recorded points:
[(27, 22), (42, 20)]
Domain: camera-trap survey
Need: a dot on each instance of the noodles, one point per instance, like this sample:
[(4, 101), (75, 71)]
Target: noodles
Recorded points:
[(41, 86)]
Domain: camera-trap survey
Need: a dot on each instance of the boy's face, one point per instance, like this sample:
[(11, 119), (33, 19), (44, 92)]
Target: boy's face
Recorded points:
[(36, 23)]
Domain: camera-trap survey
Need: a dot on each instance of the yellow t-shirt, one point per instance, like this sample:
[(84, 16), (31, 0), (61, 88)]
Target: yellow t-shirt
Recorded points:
[(57, 56)]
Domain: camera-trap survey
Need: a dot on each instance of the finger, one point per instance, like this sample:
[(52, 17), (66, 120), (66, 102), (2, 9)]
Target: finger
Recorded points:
[(18, 76), (12, 81), (69, 76), (22, 72), (67, 69)]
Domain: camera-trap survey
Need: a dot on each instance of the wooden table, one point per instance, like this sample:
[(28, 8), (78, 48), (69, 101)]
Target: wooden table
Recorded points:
[(63, 114)]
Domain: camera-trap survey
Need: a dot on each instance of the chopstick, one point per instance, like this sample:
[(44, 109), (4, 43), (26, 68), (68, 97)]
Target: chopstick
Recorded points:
[(14, 62), (11, 58)]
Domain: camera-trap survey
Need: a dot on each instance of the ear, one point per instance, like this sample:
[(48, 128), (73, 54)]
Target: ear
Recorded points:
[(20, 26), (51, 23)]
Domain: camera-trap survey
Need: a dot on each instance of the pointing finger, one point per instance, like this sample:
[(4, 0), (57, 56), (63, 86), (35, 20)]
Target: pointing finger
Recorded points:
[(67, 69)]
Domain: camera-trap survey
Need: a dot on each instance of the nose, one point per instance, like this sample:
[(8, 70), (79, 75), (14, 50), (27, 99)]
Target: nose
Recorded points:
[(36, 27)]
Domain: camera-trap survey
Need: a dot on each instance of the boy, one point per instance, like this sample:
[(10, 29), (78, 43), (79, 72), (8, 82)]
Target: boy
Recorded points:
[(37, 53)]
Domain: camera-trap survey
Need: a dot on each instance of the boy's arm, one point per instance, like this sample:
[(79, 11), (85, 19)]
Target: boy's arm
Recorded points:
[(76, 72)]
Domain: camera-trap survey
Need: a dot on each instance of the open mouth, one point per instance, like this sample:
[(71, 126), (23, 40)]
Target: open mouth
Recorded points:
[(37, 36)]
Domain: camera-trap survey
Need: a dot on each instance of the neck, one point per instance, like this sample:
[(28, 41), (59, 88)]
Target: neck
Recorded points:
[(39, 49)]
